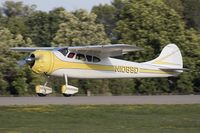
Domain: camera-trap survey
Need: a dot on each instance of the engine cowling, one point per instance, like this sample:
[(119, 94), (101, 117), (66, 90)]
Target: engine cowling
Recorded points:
[(43, 61)]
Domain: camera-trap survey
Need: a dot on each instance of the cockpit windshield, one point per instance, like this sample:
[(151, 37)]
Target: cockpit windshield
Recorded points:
[(64, 51)]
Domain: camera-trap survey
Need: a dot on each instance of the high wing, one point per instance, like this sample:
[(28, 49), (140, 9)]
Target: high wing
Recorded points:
[(31, 49), (106, 50), (99, 50)]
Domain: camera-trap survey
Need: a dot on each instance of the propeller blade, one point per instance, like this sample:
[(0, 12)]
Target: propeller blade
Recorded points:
[(30, 60), (21, 63)]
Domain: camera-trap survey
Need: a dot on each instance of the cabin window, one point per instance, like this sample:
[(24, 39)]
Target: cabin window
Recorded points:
[(95, 59), (89, 58), (64, 51), (71, 55), (83, 57), (80, 57)]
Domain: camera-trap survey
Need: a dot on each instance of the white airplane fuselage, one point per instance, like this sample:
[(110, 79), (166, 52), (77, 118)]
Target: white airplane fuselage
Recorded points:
[(95, 62), (107, 68)]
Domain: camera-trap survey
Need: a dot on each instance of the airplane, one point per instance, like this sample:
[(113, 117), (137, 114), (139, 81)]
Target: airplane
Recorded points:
[(97, 62)]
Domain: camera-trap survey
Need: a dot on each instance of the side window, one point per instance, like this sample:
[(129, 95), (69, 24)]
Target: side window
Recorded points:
[(95, 59), (80, 57), (64, 51), (89, 58), (71, 55)]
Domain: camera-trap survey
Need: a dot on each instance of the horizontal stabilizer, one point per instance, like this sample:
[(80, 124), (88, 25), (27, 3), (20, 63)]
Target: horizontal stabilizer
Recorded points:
[(174, 69)]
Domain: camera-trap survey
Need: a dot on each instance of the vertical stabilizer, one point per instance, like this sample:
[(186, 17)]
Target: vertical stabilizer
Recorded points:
[(170, 57)]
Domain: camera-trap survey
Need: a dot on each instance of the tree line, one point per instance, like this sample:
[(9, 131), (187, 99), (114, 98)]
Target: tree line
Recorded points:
[(149, 24)]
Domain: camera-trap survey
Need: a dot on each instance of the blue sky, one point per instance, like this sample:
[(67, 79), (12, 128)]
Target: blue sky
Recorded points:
[(70, 5)]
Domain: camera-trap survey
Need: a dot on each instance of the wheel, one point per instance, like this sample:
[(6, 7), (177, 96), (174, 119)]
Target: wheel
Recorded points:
[(67, 95), (41, 95)]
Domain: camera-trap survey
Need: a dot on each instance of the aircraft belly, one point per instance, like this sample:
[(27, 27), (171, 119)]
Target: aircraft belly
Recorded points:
[(97, 74), (78, 73)]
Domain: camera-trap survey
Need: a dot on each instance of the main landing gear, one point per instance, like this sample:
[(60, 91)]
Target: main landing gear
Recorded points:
[(67, 90), (43, 90)]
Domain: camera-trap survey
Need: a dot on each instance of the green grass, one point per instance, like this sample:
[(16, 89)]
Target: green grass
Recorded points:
[(100, 119)]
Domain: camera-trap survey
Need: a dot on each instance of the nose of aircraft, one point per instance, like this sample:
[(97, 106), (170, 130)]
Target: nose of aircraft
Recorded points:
[(30, 60), (41, 61)]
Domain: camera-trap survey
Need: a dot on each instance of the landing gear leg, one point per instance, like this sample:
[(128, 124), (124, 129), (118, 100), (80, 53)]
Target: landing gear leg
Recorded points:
[(43, 90), (66, 84), (68, 90)]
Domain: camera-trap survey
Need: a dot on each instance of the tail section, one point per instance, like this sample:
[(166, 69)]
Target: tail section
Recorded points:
[(170, 58)]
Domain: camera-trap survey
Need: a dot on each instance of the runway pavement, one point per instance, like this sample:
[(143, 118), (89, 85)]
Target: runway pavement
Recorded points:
[(99, 100)]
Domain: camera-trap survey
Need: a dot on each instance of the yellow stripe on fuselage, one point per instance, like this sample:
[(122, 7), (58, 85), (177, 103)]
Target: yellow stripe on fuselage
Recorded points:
[(162, 62), (142, 70), (60, 64)]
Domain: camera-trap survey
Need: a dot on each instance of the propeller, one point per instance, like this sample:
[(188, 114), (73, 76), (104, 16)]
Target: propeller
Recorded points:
[(28, 60), (21, 63)]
